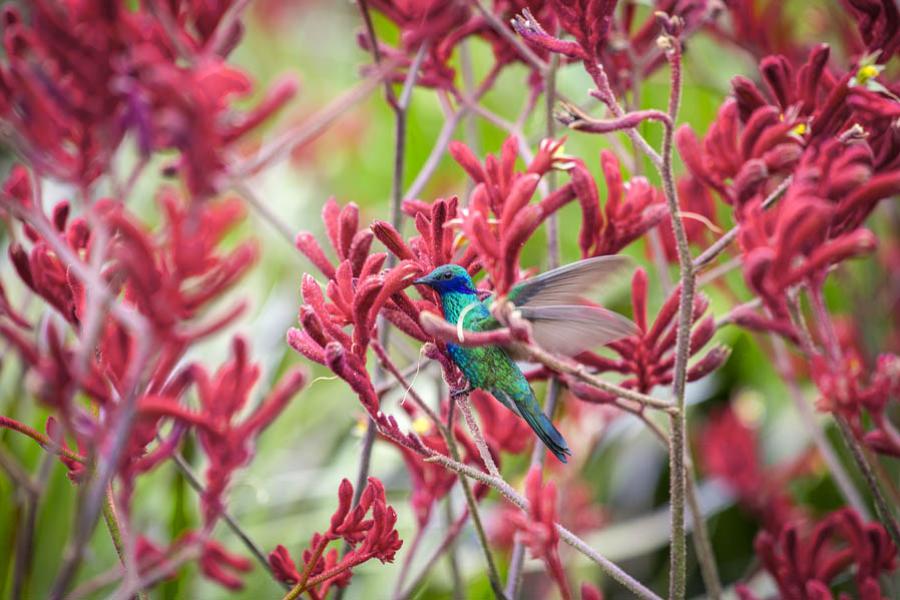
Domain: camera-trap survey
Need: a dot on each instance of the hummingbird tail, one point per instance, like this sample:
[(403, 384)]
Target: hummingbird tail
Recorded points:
[(549, 435)]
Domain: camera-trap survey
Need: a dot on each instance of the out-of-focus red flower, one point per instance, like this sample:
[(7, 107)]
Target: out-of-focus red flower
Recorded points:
[(803, 561), (729, 449), (878, 22), (577, 510), (223, 396), (372, 537), (848, 390), (502, 428), (220, 565), (538, 527), (94, 71), (648, 358), (589, 592)]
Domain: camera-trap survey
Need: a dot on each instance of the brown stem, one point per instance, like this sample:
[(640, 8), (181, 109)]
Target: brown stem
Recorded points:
[(301, 586)]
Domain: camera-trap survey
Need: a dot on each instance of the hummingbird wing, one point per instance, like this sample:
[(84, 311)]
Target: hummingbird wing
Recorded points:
[(553, 302), (572, 329), (570, 283)]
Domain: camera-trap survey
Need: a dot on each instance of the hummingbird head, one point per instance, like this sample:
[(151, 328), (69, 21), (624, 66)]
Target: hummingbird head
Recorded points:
[(448, 278)]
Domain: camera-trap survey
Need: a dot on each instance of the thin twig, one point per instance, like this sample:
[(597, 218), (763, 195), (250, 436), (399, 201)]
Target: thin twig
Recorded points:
[(446, 431), (538, 457), (882, 507), (708, 255), (609, 567), (480, 442), (229, 519), (307, 131), (444, 137)]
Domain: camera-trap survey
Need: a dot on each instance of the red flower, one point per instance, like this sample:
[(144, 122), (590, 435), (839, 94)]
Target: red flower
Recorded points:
[(538, 527), (648, 358), (803, 563), (729, 450), (222, 397), (373, 537), (95, 71)]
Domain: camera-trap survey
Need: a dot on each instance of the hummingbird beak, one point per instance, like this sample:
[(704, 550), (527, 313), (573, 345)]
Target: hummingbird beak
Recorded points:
[(422, 281)]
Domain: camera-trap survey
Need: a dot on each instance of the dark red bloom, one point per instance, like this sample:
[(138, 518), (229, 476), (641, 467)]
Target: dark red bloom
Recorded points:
[(81, 75), (803, 561)]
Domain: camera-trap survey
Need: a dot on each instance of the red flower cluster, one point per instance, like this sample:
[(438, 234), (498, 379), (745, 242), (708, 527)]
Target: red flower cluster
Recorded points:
[(81, 75), (648, 358), (372, 537), (625, 50), (161, 285), (804, 563), (499, 218)]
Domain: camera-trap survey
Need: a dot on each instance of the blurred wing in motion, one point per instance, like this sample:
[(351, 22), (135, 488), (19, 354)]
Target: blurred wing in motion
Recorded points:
[(572, 329), (568, 284)]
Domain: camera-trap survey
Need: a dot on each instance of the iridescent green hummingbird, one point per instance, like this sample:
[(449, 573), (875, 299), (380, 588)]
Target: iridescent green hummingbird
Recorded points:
[(554, 304)]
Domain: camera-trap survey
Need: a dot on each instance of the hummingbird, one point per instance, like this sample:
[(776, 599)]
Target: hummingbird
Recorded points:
[(553, 302)]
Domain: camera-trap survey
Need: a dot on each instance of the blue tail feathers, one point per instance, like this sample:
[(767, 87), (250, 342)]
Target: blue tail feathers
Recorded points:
[(549, 435)]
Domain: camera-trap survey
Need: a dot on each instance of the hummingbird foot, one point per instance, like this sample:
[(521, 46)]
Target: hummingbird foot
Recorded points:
[(458, 393)]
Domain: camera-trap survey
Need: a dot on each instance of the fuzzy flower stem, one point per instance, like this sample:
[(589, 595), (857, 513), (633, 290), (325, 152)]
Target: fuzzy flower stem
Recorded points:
[(301, 585), (472, 502), (472, 424), (882, 507), (678, 422), (111, 517), (708, 255), (446, 433), (40, 438), (598, 74)]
